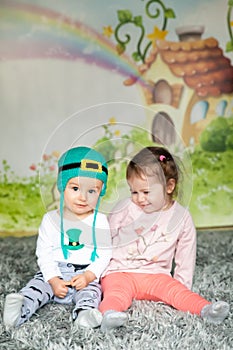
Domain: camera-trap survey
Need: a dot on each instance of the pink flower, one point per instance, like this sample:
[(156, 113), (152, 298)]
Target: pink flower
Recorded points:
[(52, 167), (33, 167), (46, 157)]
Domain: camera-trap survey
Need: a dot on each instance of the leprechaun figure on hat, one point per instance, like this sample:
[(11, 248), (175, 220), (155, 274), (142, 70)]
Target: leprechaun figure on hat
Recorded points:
[(73, 245)]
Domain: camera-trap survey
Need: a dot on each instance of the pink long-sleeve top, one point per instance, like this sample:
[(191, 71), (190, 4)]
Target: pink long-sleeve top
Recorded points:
[(148, 243)]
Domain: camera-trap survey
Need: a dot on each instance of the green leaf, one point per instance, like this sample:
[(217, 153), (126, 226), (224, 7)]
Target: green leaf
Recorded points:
[(169, 13), (136, 56), (230, 3), (124, 16), (120, 48), (138, 21), (229, 46)]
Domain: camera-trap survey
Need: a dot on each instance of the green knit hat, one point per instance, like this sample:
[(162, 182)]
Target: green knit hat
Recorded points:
[(81, 161), (85, 162)]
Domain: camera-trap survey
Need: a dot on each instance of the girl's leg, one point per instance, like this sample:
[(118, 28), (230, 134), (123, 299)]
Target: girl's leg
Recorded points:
[(161, 287), (118, 292), (165, 288)]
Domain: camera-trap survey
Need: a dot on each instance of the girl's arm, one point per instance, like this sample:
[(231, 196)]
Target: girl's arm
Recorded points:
[(185, 256)]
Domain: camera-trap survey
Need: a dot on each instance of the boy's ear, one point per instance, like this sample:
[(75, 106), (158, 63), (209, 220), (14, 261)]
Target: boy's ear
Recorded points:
[(171, 184)]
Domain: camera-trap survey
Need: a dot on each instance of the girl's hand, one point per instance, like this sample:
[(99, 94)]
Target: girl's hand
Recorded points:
[(81, 281), (59, 287)]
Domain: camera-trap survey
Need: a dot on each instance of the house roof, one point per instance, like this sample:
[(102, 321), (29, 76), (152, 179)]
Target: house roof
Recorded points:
[(200, 63)]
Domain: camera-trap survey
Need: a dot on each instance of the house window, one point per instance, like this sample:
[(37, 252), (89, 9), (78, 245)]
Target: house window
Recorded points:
[(163, 130), (221, 108), (199, 111), (162, 92)]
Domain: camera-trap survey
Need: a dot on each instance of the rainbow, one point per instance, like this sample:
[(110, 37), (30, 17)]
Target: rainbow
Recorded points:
[(31, 32)]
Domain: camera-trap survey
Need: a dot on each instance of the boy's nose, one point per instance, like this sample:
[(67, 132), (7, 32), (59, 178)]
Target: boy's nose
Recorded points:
[(82, 196)]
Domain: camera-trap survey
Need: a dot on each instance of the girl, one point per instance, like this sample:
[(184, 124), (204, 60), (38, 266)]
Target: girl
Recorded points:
[(150, 233)]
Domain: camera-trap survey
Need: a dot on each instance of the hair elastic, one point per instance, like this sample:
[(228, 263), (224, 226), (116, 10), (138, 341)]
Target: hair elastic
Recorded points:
[(162, 158)]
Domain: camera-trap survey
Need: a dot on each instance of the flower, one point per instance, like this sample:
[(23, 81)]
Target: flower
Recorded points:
[(46, 157), (117, 133), (52, 167), (112, 121), (56, 154), (32, 167), (107, 31)]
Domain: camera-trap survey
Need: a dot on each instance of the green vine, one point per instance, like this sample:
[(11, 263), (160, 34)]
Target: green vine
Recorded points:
[(126, 17), (229, 45)]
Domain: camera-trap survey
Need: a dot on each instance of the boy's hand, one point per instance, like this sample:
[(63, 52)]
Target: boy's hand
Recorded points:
[(59, 287), (81, 281)]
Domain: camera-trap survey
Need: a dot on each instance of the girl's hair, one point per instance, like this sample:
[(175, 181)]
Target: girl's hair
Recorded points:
[(150, 161)]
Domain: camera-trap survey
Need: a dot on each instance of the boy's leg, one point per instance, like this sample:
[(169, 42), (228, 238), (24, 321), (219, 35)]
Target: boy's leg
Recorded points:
[(86, 313), (35, 294)]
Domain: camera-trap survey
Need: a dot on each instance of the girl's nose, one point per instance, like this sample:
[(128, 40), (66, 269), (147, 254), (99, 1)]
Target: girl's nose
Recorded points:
[(141, 197)]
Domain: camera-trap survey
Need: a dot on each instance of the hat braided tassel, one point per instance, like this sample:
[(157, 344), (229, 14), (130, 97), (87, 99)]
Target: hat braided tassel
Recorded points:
[(94, 254)]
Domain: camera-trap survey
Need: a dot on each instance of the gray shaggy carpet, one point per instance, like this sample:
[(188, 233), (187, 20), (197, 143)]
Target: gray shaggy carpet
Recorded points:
[(150, 326)]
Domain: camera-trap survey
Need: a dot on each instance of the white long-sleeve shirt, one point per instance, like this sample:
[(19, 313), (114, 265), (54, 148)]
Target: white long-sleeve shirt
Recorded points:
[(49, 252), (148, 243)]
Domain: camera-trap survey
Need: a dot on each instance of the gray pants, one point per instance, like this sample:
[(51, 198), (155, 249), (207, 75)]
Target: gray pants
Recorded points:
[(37, 293)]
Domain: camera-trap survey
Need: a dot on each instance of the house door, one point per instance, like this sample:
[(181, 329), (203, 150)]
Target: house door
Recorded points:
[(163, 129)]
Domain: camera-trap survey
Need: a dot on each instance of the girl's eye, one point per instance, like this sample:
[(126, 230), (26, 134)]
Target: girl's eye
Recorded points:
[(146, 192), (75, 188), (92, 191)]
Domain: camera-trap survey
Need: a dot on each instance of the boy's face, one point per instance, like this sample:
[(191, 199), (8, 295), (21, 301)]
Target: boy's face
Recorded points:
[(148, 193), (80, 196)]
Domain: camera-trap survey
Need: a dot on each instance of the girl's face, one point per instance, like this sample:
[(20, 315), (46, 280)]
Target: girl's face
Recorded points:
[(149, 194), (80, 196)]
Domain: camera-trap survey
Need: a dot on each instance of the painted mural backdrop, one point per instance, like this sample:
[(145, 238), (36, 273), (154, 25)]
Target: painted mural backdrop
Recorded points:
[(116, 76)]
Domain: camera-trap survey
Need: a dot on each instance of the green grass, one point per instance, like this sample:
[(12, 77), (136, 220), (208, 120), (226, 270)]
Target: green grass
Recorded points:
[(211, 203)]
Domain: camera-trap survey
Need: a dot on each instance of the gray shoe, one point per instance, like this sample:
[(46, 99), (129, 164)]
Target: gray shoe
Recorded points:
[(113, 319), (215, 312), (90, 318), (12, 309)]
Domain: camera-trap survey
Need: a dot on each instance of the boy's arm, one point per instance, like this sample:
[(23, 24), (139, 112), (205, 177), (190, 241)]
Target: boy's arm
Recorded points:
[(81, 281), (44, 249)]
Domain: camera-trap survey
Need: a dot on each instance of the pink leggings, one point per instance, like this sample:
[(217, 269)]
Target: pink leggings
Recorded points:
[(120, 288)]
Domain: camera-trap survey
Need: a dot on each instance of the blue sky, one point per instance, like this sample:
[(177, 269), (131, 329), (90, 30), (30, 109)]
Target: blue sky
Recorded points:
[(55, 90), (210, 13)]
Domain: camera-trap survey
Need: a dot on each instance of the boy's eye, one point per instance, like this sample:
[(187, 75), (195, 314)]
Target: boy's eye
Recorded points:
[(146, 192), (92, 191), (75, 188)]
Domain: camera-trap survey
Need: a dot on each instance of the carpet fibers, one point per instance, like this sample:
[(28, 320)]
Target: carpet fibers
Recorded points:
[(150, 326)]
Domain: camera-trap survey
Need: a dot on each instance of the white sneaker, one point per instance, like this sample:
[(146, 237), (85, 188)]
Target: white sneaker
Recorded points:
[(113, 319), (215, 312), (12, 309), (90, 318)]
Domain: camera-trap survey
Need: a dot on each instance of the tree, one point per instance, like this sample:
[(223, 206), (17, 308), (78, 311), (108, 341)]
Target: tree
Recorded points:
[(217, 137)]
